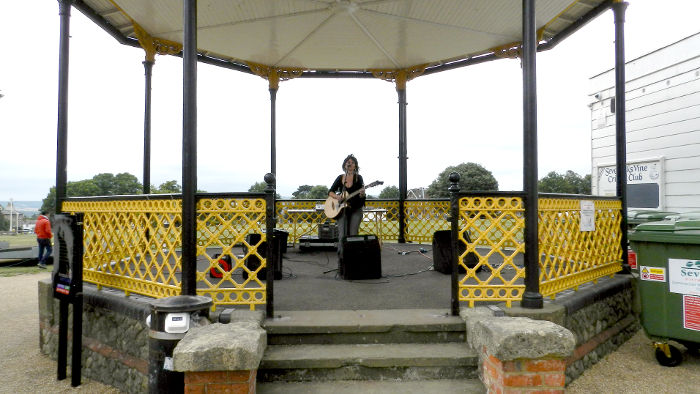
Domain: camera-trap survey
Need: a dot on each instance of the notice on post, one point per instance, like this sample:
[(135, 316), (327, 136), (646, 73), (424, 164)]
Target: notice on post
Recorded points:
[(587, 215)]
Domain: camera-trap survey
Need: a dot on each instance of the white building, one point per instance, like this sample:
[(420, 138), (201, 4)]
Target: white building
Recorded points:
[(663, 129)]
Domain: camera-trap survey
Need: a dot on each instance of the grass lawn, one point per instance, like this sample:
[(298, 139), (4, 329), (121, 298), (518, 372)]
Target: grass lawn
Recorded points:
[(19, 240), (14, 271)]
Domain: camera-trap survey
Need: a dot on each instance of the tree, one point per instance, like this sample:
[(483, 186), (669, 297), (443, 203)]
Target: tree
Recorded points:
[(302, 192), (104, 184), (567, 183), (168, 187), (472, 177), (4, 223), (126, 184), (389, 192), (318, 192), (259, 187)]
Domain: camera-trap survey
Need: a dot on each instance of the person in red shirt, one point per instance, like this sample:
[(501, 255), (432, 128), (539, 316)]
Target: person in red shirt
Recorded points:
[(43, 238)]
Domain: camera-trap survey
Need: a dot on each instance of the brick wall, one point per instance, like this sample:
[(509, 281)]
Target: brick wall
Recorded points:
[(522, 376), (235, 382)]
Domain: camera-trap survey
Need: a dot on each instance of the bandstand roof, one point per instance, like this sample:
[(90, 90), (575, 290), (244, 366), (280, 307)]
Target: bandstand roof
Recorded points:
[(341, 37)]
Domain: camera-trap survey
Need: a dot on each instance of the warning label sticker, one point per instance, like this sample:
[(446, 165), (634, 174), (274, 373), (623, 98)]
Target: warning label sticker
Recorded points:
[(691, 312), (654, 274)]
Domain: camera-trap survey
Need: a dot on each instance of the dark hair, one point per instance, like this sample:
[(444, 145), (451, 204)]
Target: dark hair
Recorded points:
[(353, 158), (43, 212)]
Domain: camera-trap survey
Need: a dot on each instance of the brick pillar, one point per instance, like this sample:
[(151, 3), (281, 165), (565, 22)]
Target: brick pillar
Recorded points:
[(518, 354), (236, 382), (523, 376)]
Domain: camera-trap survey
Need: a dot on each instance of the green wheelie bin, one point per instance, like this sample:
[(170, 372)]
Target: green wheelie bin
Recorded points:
[(637, 217), (668, 260)]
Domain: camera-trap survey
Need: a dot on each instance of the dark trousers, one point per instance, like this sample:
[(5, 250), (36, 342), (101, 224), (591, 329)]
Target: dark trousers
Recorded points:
[(348, 225), (44, 246)]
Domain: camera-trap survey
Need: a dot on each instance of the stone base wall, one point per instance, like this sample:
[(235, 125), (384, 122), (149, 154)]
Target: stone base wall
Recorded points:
[(602, 319), (115, 337), (602, 316)]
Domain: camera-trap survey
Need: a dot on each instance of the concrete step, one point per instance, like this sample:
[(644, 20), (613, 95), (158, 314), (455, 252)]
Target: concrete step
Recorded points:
[(443, 386), (364, 326), (393, 361)]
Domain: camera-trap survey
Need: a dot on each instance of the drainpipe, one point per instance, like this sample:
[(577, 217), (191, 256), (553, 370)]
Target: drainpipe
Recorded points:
[(618, 8)]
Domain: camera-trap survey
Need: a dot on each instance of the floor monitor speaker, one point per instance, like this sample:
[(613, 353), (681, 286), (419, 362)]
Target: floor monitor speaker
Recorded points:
[(442, 252), (362, 258)]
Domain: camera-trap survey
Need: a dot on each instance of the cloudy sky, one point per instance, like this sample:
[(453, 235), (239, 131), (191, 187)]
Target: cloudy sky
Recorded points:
[(473, 114)]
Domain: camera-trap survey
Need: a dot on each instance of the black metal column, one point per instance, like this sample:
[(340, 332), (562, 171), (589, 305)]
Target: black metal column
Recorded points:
[(454, 231), (64, 7), (148, 67), (620, 129), (271, 253), (403, 158), (273, 130), (189, 149), (532, 297)]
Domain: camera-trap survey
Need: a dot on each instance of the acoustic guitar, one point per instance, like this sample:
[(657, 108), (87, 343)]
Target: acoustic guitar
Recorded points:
[(332, 207)]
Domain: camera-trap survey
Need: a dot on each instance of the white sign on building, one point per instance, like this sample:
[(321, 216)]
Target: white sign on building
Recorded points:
[(644, 183)]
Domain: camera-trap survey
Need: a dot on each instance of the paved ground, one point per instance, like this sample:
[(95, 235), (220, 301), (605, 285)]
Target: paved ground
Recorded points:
[(23, 369), (631, 369)]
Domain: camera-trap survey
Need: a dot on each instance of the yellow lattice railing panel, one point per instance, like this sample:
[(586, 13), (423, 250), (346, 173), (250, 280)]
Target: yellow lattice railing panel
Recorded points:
[(491, 227), (569, 256), (422, 218), (382, 219), (134, 245), (300, 217), (230, 233), (131, 244)]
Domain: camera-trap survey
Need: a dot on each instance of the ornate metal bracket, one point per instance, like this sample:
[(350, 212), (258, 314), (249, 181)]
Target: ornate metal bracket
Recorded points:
[(400, 77), (274, 74), (154, 45)]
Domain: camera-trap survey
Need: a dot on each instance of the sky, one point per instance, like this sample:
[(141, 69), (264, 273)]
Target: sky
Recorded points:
[(472, 114)]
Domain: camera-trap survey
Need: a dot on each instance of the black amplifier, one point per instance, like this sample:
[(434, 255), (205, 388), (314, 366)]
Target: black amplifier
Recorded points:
[(328, 231)]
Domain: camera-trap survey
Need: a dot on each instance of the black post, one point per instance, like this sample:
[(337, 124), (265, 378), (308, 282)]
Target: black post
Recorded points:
[(67, 285), (77, 282), (454, 223), (271, 250), (62, 353), (64, 7), (532, 297), (189, 149), (148, 67), (273, 132), (620, 129), (403, 157)]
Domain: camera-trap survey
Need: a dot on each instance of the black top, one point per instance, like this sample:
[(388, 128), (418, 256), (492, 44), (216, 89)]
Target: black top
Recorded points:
[(355, 202)]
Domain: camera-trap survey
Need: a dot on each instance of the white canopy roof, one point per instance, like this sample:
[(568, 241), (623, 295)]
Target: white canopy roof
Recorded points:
[(340, 35)]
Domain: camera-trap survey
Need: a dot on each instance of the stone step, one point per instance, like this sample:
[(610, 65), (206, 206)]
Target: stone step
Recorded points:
[(394, 361), (364, 326), (442, 386)]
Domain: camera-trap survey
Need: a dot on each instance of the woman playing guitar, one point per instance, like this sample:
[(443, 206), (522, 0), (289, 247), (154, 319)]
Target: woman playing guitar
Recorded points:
[(351, 216)]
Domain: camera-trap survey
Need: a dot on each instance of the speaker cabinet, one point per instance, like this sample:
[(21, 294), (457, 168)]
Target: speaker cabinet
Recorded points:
[(362, 258), (442, 252), (253, 262)]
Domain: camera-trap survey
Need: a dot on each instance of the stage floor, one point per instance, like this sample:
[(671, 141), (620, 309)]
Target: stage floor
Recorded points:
[(310, 281)]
